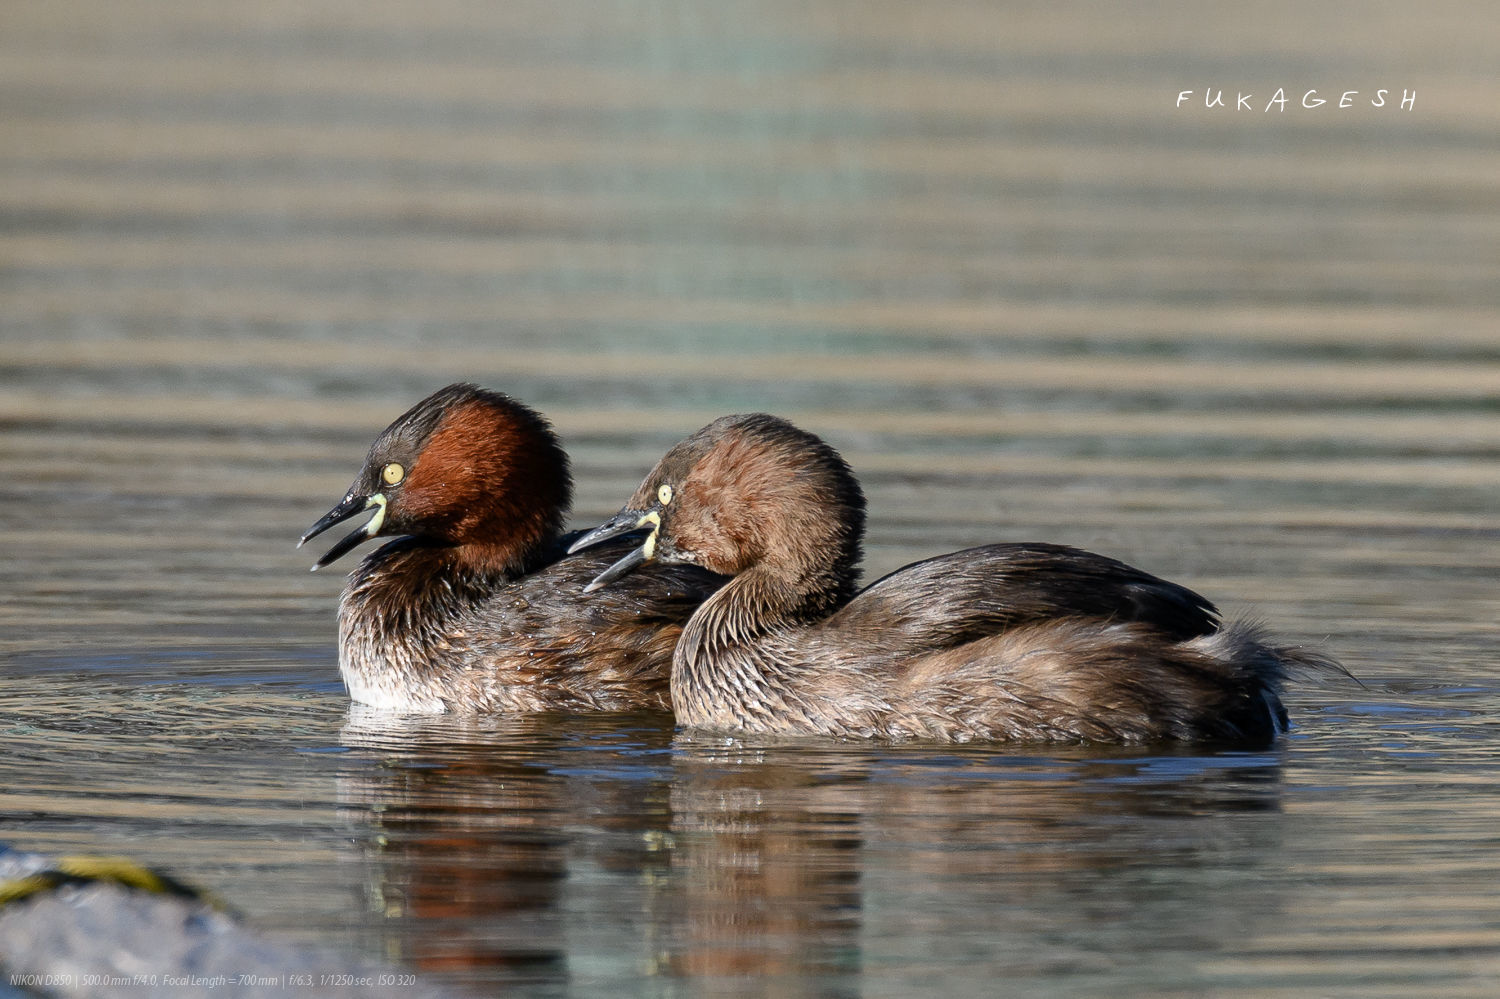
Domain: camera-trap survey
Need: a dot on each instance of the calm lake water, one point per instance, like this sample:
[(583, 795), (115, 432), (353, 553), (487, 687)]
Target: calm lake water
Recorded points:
[(978, 247)]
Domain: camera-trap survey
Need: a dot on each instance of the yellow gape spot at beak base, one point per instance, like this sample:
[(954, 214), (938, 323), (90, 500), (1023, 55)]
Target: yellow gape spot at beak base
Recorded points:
[(648, 547), (373, 527)]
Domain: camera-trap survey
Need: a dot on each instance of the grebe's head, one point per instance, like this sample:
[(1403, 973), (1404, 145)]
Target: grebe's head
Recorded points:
[(748, 492), (464, 468)]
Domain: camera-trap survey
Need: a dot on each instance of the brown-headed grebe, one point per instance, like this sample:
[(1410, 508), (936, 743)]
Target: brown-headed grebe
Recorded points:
[(475, 608), (1030, 642)]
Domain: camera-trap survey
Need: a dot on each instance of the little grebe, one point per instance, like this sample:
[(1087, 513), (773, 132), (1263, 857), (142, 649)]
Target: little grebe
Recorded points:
[(474, 607), (1005, 642)]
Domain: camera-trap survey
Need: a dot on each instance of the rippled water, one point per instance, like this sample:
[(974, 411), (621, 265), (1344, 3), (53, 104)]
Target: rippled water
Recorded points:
[(977, 248)]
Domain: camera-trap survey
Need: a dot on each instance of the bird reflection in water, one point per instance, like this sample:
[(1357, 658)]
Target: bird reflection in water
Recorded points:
[(516, 850)]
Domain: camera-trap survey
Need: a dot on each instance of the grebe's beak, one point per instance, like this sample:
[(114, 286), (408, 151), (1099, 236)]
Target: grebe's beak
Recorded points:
[(351, 506), (637, 558), (624, 522)]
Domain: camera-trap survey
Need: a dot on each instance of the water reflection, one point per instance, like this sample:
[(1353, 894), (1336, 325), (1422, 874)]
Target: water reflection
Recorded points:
[(765, 867), (516, 851), (466, 834)]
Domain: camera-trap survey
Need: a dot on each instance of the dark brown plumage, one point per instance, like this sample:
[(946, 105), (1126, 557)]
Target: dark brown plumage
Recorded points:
[(1004, 642), (475, 607)]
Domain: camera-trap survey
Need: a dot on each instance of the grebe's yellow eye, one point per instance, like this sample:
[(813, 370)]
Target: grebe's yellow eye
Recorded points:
[(393, 473), (664, 494)]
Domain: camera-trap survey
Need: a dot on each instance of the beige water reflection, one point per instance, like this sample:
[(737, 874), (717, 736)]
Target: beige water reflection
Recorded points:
[(780, 869)]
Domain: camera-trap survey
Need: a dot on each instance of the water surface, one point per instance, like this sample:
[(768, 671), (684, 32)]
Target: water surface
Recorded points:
[(980, 250)]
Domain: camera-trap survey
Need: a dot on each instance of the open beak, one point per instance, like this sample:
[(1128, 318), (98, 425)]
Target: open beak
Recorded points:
[(624, 522), (351, 506), (637, 558)]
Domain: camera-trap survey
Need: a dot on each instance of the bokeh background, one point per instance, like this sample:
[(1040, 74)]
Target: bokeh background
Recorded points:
[(978, 246), (962, 240)]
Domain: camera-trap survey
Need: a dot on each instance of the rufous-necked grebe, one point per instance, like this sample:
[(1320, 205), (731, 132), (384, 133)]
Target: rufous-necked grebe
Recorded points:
[(1029, 642), (475, 608)]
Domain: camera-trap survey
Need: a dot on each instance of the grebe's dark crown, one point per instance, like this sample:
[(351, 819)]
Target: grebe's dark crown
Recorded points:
[(464, 465), (765, 490)]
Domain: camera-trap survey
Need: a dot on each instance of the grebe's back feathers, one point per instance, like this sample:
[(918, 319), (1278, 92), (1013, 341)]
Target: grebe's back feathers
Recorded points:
[(963, 596)]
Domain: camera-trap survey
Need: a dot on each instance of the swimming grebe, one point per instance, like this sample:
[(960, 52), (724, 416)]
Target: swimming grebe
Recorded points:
[(1027, 642), (475, 608)]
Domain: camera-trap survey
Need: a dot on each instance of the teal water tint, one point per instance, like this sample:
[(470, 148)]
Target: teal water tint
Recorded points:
[(979, 249)]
